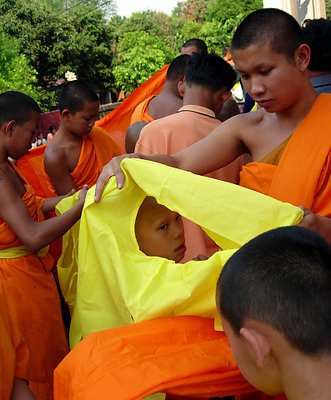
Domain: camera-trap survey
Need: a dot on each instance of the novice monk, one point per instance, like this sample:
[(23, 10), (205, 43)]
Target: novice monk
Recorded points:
[(288, 138), (78, 151), (160, 232), (27, 285), (274, 297), (171, 97)]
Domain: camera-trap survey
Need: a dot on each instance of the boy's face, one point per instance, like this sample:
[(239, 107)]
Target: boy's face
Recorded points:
[(81, 123), (159, 231), (270, 79), (23, 135)]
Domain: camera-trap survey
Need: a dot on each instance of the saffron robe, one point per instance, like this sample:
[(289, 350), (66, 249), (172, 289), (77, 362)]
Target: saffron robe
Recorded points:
[(182, 356), (174, 133), (14, 354), (97, 149), (118, 284), (141, 112), (302, 176), (29, 291)]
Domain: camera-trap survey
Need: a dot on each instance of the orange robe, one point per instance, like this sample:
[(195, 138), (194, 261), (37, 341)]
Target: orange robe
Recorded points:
[(117, 121), (302, 176), (28, 289), (97, 149), (182, 356), (141, 112), (14, 354)]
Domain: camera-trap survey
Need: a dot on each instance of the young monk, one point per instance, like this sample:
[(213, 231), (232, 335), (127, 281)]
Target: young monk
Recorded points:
[(288, 138), (27, 285), (78, 151), (274, 298), (160, 231)]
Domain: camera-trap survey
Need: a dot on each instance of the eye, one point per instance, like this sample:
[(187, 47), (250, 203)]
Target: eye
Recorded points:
[(163, 227), (178, 218), (265, 72), (244, 76)]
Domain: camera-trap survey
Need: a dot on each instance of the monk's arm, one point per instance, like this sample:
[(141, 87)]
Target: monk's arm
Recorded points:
[(317, 223), (56, 167), (51, 202), (218, 149), (21, 390), (35, 235)]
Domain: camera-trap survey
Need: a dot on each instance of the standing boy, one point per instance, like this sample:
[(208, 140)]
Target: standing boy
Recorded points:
[(288, 138), (27, 285), (78, 151), (274, 297)]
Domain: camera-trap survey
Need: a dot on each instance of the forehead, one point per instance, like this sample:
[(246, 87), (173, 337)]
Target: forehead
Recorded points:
[(255, 55), (150, 210), (34, 119), (189, 50), (90, 107)]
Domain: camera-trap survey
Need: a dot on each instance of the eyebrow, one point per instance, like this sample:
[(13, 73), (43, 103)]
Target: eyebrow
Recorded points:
[(259, 66)]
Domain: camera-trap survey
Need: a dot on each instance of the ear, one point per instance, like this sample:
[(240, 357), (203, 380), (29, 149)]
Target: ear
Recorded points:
[(258, 342), (181, 87), (221, 97), (9, 127), (302, 56), (65, 113)]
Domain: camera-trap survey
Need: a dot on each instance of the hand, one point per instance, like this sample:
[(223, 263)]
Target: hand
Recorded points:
[(200, 257), (82, 194), (317, 223), (109, 170)]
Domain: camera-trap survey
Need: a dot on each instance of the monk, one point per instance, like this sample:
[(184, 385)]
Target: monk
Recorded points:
[(288, 138), (192, 46), (171, 97), (14, 359), (78, 151), (27, 285), (208, 81)]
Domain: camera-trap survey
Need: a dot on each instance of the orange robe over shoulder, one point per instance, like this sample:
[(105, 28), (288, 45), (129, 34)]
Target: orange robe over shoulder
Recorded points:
[(302, 176), (141, 112), (29, 291), (14, 354), (97, 149), (133, 361)]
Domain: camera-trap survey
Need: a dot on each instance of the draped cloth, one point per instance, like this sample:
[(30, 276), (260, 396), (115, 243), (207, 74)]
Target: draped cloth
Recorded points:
[(302, 176), (182, 356), (29, 291), (118, 284)]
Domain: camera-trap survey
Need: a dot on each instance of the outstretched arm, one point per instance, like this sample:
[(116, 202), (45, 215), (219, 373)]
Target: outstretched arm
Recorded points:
[(21, 390), (218, 149)]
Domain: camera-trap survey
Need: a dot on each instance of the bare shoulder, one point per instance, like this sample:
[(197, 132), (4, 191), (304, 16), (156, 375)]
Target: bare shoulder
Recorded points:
[(55, 154)]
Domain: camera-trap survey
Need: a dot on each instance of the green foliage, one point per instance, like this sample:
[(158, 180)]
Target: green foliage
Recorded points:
[(222, 10), (328, 8), (15, 72), (140, 55)]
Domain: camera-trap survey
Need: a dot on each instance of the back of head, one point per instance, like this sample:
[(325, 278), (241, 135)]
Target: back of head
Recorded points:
[(281, 278), (16, 106), (73, 95), (199, 44), (209, 70), (269, 25), (317, 33), (176, 70)]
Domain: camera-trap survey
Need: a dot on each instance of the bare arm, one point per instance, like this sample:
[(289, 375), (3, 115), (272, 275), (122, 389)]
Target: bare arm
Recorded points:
[(57, 169), (317, 223), (35, 235), (21, 390), (218, 149), (51, 202)]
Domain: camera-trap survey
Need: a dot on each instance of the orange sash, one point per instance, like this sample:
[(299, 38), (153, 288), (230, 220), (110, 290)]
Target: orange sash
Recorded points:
[(302, 176)]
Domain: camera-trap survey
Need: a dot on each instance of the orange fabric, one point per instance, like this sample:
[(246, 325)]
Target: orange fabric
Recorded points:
[(181, 356), (97, 149), (28, 289), (117, 121), (302, 176), (141, 112), (174, 133), (14, 354)]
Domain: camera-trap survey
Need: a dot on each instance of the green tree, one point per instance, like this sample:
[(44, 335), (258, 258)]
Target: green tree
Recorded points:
[(222, 10), (15, 72)]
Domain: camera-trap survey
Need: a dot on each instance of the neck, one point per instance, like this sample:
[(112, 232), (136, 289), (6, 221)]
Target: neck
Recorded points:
[(199, 96), (306, 378)]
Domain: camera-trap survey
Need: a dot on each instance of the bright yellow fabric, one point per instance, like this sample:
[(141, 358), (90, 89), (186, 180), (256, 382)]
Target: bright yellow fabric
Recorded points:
[(118, 284), (21, 251)]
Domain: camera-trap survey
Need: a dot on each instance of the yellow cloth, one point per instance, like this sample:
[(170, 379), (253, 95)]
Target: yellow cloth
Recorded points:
[(119, 285), (21, 251)]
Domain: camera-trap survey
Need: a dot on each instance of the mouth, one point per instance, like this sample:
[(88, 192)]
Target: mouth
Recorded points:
[(181, 248), (264, 103)]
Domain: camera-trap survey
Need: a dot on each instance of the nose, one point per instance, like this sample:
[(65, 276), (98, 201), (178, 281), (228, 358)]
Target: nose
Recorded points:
[(179, 229), (256, 87)]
